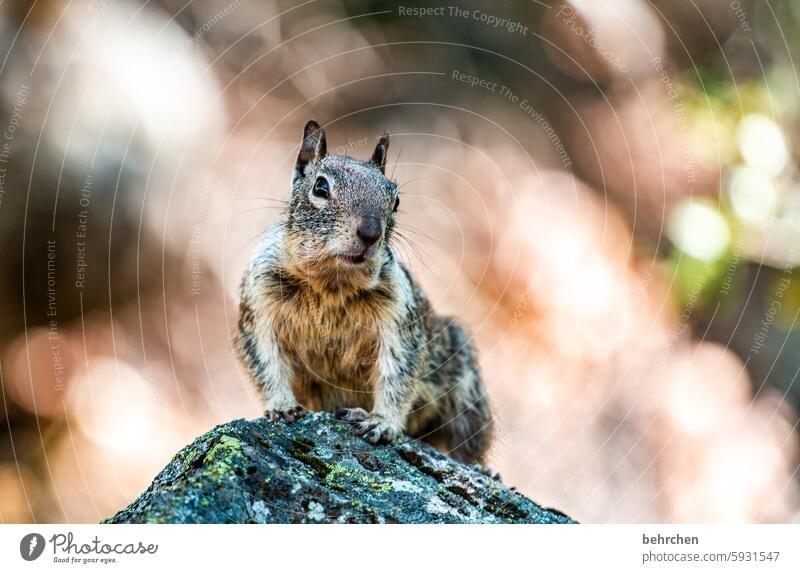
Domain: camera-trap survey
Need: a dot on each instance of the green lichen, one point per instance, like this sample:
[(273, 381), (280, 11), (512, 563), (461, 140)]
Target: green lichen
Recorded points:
[(383, 487), (341, 476), (286, 467), (338, 476), (224, 457), (321, 467)]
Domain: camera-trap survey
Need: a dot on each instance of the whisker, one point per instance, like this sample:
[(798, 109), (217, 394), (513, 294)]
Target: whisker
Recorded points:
[(397, 160), (410, 181), (415, 231), (401, 252), (261, 198), (423, 251), (278, 223), (423, 256), (248, 211)]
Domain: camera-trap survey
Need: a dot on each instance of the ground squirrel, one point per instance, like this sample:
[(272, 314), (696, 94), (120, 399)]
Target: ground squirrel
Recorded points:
[(331, 320)]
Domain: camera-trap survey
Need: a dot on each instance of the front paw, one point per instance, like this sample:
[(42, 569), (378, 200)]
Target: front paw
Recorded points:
[(376, 430), (351, 415), (289, 413), (371, 427)]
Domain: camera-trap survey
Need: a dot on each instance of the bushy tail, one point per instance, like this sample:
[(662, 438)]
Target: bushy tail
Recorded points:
[(468, 433)]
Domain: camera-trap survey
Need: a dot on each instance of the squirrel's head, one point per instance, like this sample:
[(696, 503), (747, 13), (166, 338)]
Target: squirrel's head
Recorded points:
[(341, 212)]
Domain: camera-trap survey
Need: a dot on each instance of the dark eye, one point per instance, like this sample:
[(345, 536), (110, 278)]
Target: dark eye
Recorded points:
[(396, 204), (322, 188)]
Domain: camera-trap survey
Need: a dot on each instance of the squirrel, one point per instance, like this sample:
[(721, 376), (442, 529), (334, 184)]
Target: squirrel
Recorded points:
[(331, 320)]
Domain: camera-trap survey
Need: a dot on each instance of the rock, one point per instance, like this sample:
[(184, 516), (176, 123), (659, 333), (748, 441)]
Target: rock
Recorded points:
[(317, 471)]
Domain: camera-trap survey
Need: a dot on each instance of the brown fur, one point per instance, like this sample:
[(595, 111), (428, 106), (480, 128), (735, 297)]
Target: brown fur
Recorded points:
[(321, 333)]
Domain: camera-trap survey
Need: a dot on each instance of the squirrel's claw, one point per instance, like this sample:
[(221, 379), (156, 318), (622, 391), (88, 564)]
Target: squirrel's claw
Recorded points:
[(375, 431), (489, 473), (369, 426), (351, 415), (379, 435), (290, 414)]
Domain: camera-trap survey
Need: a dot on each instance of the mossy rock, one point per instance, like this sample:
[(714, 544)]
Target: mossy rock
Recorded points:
[(317, 471)]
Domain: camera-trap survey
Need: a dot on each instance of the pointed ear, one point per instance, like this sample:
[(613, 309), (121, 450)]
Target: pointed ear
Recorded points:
[(381, 152), (312, 148)]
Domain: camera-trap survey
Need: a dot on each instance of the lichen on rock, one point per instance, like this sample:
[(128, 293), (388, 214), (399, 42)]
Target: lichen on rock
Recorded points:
[(317, 471)]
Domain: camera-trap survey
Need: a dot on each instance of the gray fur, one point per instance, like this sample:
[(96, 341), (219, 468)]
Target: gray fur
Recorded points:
[(321, 332)]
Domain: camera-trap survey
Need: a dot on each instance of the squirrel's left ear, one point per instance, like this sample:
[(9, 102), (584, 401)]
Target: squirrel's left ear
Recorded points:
[(380, 153), (312, 148)]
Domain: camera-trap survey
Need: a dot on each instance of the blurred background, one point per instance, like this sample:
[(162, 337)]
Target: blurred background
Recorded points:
[(606, 192)]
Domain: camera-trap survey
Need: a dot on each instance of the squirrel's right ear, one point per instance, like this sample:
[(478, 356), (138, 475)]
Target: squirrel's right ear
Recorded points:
[(380, 153), (312, 148)]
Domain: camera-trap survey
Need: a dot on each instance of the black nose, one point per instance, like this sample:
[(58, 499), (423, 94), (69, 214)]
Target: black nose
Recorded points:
[(369, 230)]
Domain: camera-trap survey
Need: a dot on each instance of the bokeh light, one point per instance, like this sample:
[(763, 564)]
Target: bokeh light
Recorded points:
[(617, 222)]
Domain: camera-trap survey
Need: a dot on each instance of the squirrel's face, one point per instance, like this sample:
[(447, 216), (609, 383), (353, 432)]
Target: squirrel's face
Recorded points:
[(341, 213)]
